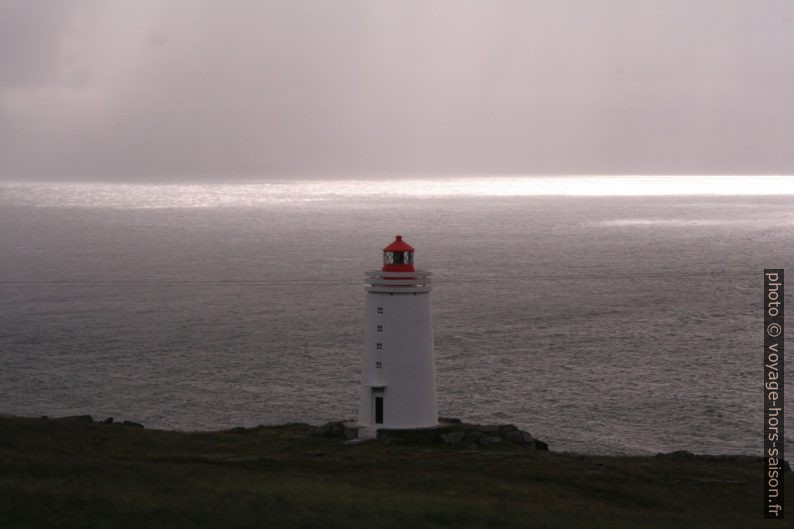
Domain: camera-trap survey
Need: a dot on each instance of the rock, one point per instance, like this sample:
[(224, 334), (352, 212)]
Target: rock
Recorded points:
[(321, 431), (349, 432), (367, 433), (315, 453), (473, 436), (486, 440), (489, 428), (132, 424), (318, 431), (238, 429), (109, 420), (413, 436), (77, 418), (330, 429), (453, 433), (526, 437), (515, 436), (453, 438)]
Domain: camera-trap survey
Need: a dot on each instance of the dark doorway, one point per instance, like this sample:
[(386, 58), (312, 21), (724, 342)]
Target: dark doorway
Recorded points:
[(378, 410)]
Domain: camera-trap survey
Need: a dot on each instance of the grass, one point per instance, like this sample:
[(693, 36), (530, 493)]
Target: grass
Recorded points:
[(71, 474)]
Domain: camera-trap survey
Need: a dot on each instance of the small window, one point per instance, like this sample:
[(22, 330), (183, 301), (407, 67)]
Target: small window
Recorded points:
[(380, 328), (398, 258), (378, 365), (379, 346), (380, 310)]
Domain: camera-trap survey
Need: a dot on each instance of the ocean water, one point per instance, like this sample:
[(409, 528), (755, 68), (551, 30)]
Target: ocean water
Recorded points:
[(600, 321)]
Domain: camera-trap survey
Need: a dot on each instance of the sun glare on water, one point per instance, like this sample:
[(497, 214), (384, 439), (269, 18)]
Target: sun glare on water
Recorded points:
[(262, 193)]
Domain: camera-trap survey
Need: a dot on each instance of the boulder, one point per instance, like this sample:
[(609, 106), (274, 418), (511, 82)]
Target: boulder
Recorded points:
[(486, 440), (526, 437), (349, 432), (489, 428), (473, 436), (330, 429), (239, 429), (414, 436), (453, 438), (318, 431), (451, 432), (515, 436), (540, 445)]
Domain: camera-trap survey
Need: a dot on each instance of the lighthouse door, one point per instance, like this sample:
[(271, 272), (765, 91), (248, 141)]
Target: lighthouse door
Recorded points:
[(378, 410)]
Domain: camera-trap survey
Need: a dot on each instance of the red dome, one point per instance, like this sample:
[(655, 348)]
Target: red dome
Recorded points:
[(399, 246), (398, 256)]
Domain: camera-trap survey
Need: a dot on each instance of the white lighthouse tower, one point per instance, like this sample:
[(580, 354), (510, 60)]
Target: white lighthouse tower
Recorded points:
[(398, 383)]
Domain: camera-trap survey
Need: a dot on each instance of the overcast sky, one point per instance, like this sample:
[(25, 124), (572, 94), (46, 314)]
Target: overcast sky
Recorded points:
[(133, 89)]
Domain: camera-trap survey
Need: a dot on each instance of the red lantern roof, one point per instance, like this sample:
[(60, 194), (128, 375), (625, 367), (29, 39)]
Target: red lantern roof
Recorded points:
[(399, 246)]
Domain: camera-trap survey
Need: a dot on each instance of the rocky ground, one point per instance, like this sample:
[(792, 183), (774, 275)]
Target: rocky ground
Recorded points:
[(77, 472), (450, 431)]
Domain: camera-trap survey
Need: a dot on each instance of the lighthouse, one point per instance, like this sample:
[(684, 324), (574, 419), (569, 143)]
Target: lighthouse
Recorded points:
[(398, 382)]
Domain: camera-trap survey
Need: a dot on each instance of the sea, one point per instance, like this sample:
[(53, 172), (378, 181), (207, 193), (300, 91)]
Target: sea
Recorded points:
[(604, 315)]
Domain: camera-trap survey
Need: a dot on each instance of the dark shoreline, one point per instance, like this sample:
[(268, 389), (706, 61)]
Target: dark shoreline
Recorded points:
[(76, 472)]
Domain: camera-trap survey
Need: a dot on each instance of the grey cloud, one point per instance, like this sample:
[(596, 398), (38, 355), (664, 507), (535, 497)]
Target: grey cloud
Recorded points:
[(125, 90)]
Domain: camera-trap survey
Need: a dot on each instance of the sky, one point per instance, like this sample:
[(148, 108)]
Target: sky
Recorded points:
[(152, 90)]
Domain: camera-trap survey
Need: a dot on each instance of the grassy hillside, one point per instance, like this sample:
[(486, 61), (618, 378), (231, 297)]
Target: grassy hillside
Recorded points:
[(74, 474)]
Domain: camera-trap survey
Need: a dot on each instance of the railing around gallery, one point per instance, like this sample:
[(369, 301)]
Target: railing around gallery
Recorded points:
[(416, 281)]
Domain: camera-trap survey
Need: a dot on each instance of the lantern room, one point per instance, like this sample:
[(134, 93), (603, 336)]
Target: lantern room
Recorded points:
[(398, 256)]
